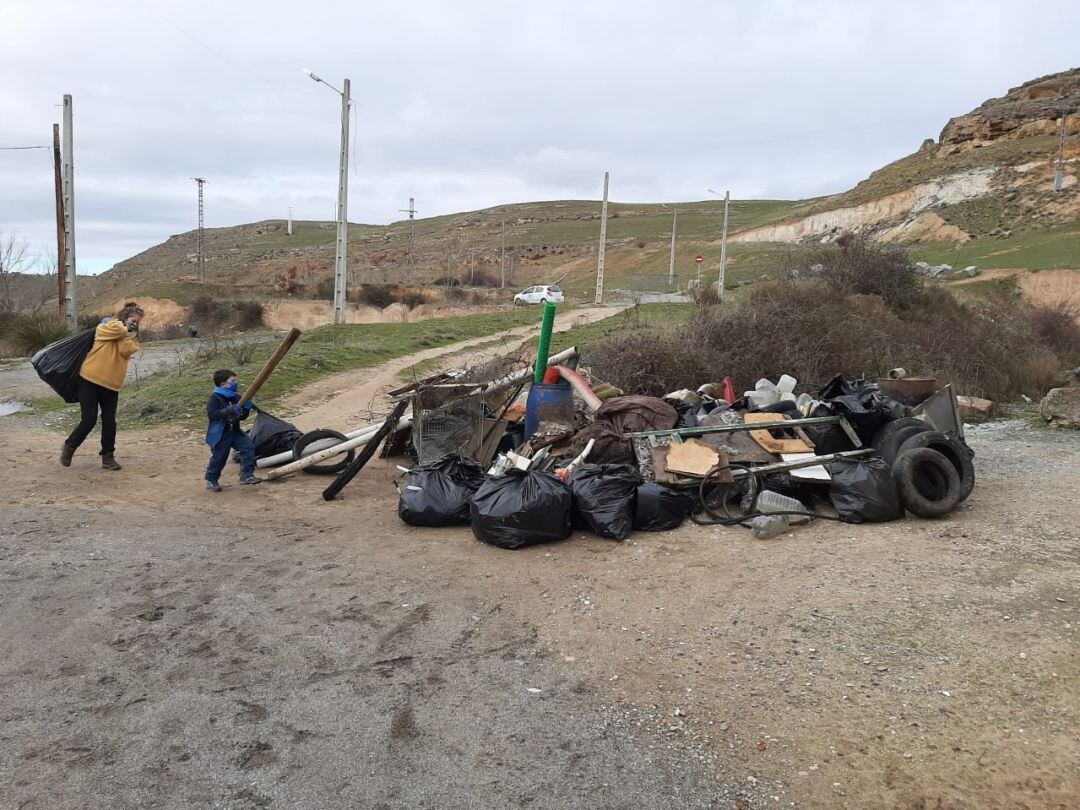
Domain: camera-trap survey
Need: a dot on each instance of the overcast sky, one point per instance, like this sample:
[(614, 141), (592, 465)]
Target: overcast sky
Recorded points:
[(468, 104)]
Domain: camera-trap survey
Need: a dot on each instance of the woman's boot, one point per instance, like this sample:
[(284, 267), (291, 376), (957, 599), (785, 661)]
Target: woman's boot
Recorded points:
[(108, 462), (67, 452)]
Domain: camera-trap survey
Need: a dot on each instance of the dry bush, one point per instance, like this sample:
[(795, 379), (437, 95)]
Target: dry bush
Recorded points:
[(375, 295), (705, 295), (853, 265), (412, 298), (1057, 329), (28, 333), (812, 330)]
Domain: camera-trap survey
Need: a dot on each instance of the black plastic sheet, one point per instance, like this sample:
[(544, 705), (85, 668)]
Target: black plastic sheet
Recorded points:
[(521, 509), (59, 363), (604, 496), (862, 402)]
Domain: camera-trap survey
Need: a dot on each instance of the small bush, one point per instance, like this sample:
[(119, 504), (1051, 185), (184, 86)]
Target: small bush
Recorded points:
[(484, 278), (324, 289), (208, 312), (1056, 328), (447, 281), (249, 314), (705, 295), (376, 295), (412, 298), (29, 333), (89, 321), (641, 243)]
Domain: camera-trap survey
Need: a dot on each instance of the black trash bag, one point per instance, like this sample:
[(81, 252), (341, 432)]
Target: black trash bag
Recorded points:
[(862, 402), (439, 494), (272, 435), (604, 499), (59, 363), (521, 508), (863, 490), (660, 509), (687, 412)]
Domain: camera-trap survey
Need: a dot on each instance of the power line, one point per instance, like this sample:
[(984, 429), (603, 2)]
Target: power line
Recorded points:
[(218, 53), (17, 148)]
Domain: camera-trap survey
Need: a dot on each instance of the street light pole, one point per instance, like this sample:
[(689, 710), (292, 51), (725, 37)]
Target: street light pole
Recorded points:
[(723, 243), (671, 260), (341, 245)]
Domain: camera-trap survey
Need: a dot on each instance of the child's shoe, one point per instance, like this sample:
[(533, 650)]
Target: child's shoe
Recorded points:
[(250, 479), (213, 486)]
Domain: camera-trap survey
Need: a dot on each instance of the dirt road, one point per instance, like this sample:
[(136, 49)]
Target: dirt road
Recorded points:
[(262, 648)]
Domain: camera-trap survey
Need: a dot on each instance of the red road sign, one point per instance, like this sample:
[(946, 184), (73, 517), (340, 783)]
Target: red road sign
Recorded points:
[(699, 259)]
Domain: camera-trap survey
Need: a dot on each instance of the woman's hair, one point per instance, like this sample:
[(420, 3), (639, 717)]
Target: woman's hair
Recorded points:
[(129, 309)]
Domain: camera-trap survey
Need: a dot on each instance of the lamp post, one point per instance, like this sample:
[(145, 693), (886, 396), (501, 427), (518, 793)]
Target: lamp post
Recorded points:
[(723, 243), (341, 246)]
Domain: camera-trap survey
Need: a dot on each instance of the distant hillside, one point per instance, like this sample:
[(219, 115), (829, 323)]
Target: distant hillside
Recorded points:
[(981, 193)]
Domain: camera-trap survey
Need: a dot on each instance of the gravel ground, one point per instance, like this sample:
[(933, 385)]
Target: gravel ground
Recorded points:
[(262, 648)]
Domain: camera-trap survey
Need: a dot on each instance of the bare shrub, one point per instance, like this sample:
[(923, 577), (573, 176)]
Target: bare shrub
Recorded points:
[(28, 333), (248, 314), (375, 295), (324, 289), (812, 330), (855, 266), (241, 350), (705, 295), (1056, 327), (412, 298)]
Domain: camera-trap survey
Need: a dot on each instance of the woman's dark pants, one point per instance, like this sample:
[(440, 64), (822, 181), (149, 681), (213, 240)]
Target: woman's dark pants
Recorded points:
[(93, 397)]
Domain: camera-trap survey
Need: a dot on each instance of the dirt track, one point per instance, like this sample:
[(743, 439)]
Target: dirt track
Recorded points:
[(262, 648)]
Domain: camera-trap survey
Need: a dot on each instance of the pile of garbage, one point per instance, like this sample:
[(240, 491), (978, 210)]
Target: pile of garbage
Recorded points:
[(529, 454)]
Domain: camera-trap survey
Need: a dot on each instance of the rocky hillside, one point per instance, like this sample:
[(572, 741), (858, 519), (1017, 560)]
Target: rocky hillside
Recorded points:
[(980, 194)]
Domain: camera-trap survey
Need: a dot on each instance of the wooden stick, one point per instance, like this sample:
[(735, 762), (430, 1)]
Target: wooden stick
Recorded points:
[(271, 364), (369, 450)]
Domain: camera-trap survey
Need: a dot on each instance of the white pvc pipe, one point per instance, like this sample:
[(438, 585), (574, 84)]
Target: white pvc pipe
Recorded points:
[(329, 452), (580, 387), (282, 458)]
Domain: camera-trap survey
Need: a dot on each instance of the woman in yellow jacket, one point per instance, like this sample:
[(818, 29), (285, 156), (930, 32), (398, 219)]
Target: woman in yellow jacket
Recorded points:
[(100, 380)]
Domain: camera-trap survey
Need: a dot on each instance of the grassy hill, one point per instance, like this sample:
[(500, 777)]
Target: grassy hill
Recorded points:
[(981, 194)]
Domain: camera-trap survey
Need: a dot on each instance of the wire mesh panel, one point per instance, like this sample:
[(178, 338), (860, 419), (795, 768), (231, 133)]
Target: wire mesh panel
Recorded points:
[(446, 420)]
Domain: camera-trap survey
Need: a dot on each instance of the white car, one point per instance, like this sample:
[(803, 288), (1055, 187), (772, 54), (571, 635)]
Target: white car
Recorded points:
[(539, 295)]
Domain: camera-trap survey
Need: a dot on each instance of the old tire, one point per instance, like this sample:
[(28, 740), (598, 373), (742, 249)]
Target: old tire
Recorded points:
[(955, 451), (892, 436), (928, 483), (331, 467)]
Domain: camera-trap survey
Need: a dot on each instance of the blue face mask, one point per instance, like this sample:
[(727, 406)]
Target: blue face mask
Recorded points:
[(232, 386)]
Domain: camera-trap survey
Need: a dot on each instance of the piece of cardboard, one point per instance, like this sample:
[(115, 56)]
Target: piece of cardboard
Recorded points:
[(770, 442), (692, 457)]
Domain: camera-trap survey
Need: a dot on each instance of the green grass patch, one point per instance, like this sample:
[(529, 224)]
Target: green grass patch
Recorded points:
[(1050, 249)]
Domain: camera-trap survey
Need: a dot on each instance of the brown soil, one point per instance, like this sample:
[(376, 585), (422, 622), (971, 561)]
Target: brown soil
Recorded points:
[(1041, 287), (261, 647), (160, 312)]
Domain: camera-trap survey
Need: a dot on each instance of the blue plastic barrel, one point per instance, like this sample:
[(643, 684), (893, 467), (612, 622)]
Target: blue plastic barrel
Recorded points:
[(552, 403)]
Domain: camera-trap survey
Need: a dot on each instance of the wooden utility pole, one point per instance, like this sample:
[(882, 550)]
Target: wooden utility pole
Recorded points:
[(61, 277), (70, 303), (603, 246)]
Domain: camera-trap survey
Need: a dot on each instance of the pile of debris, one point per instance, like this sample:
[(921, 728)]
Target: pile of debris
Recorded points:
[(522, 467), (945, 270)]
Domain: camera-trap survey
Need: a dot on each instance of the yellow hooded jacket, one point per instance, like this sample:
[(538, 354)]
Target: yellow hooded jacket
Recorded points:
[(106, 364)]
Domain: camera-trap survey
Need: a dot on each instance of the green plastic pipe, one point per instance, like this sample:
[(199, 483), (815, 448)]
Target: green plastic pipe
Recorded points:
[(546, 327)]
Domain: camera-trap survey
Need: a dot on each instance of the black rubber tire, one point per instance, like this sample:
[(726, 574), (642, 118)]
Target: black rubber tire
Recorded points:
[(331, 467), (892, 435), (928, 483), (954, 450)]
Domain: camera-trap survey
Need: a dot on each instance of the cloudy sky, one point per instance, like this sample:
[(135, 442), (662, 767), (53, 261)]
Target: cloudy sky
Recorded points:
[(472, 103)]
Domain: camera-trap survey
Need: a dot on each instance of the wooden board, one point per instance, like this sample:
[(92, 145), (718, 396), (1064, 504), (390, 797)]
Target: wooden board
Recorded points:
[(770, 442), (692, 457)]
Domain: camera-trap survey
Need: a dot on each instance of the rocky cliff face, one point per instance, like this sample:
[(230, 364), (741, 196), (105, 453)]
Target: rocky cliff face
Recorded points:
[(1033, 108)]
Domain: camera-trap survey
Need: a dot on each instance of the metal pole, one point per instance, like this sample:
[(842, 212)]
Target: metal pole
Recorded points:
[(61, 277), (289, 229), (1059, 170), (200, 266), (70, 303), (341, 249), (723, 248), (671, 263), (603, 246)]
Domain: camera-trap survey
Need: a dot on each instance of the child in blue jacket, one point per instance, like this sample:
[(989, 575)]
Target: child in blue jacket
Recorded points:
[(224, 434)]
